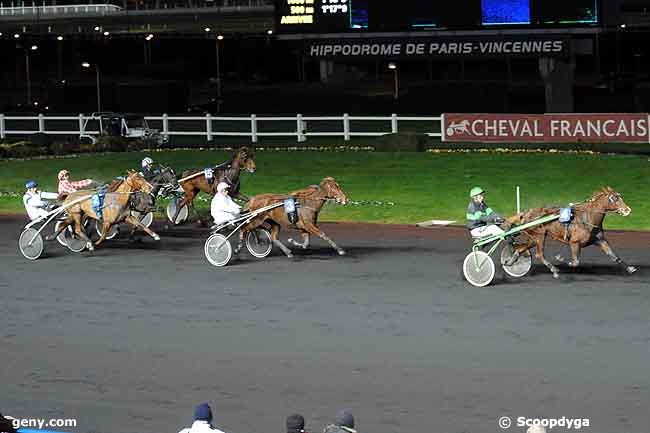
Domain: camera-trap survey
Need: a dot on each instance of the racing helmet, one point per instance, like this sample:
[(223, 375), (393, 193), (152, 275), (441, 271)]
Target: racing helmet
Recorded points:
[(62, 173), (475, 191), (146, 162), (31, 184)]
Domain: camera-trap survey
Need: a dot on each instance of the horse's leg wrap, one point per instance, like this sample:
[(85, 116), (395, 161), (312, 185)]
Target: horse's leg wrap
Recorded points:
[(513, 259), (604, 246), (284, 249), (339, 250), (304, 245), (136, 223)]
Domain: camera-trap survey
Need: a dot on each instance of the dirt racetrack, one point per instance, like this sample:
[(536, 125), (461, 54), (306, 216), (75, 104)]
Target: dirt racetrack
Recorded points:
[(129, 338)]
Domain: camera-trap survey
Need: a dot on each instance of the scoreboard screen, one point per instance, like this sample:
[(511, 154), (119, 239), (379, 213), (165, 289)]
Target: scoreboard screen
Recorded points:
[(338, 16)]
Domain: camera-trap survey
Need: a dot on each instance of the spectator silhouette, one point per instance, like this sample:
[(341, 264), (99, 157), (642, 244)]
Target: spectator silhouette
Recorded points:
[(344, 423), (295, 423), (202, 421)]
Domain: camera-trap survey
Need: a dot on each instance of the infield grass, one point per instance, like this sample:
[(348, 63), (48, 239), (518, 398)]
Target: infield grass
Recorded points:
[(391, 187)]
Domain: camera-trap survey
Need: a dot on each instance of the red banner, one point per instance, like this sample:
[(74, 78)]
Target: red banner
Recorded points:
[(509, 128)]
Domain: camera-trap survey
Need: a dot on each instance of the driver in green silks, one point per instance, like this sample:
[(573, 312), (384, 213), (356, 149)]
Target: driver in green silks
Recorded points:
[(482, 221)]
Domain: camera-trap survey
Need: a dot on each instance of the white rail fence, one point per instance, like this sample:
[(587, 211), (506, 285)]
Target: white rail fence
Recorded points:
[(255, 127)]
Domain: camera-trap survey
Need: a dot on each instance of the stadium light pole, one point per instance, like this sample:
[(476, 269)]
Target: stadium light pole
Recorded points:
[(393, 66), (99, 97), (217, 40)]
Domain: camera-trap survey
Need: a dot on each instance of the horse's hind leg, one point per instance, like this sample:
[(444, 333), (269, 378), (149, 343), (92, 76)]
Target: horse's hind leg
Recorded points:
[(79, 231), (275, 235), (313, 229), (605, 248), (539, 253), (136, 223), (575, 255), (305, 241)]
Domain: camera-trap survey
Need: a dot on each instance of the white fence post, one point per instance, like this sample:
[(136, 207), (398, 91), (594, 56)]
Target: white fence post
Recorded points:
[(41, 123), (2, 126), (346, 126), (208, 126), (393, 123), (253, 128), (518, 200), (165, 125), (81, 125), (299, 128)]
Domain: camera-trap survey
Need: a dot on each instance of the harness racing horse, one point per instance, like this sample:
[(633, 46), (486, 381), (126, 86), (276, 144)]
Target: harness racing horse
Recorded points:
[(194, 181), (115, 208), (309, 202), (586, 228)]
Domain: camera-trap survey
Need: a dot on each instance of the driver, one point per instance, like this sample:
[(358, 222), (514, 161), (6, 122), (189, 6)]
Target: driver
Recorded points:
[(34, 202), (223, 208), (148, 172), (482, 221), (66, 186)]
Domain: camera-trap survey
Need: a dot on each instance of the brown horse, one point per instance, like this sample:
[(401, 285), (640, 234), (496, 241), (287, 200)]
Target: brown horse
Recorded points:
[(586, 228), (309, 201), (194, 181), (115, 208)]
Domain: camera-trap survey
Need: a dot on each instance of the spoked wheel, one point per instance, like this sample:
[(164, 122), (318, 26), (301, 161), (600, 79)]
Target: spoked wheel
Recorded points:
[(218, 250), (145, 219), (182, 214), (72, 241), (61, 237), (113, 230), (31, 244), (478, 268), (515, 268), (259, 242)]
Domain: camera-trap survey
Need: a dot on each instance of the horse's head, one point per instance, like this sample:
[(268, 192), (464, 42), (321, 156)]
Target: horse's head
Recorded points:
[(615, 202), (246, 159), (143, 202), (333, 190), (167, 176), (136, 182)]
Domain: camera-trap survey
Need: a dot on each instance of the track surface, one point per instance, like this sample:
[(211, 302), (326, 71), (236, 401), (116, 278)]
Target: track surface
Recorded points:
[(130, 338)]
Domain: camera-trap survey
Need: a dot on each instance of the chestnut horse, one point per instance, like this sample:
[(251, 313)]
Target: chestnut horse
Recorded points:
[(116, 208), (194, 181), (309, 202), (586, 228)]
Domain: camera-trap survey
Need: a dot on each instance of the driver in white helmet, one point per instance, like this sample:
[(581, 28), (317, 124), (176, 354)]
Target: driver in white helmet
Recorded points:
[(223, 208), (148, 171), (35, 201)]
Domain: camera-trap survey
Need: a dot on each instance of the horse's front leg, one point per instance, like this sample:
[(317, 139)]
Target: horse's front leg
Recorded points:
[(106, 226), (605, 248), (136, 223), (539, 254), (305, 241), (313, 229)]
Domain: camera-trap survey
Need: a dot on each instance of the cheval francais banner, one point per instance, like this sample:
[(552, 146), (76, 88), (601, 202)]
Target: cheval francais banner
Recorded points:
[(509, 128)]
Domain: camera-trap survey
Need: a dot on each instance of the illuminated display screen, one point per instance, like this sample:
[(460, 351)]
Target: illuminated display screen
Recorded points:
[(336, 16)]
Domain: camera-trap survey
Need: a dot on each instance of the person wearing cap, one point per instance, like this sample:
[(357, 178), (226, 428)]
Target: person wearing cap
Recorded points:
[(148, 171), (66, 186), (343, 423), (223, 208), (482, 221), (202, 421), (295, 423), (35, 201)]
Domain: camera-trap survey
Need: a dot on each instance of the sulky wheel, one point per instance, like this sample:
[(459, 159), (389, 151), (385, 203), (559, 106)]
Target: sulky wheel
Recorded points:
[(74, 242), (478, 268), (61, 237), (145, 219), (519, 267), (31, 244), (259, 242), (182, 214), (218, 250), (112, 230)]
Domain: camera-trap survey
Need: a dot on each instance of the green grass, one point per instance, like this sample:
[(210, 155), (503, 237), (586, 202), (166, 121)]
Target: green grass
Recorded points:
[(421, 185)]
